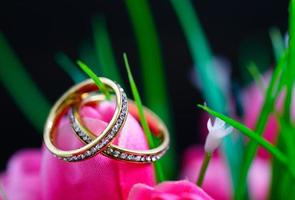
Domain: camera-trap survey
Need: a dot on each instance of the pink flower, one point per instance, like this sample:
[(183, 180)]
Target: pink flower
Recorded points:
[(39, 175), (253, 98), (171, 190), (217, 181)]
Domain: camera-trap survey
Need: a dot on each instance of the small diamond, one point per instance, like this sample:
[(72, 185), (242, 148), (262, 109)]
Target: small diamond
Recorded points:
[(88, 153), (122, 115), (119, 121), (70, 159), (123, 155), (85, 138), (82, 156), (130, 157), (80, 133), (109, 137), (115, 128), (88, 140), (76, 128), (148, 159), (154, 158), (142, 159), (112, 133), (99, 146), (93, 150), (137, 158), (74, 158), (105, 141), (78, 157), (110, 150), (116, 153)]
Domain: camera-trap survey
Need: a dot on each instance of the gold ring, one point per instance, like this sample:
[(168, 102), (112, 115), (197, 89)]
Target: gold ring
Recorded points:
[(73, 96), (119, 153)]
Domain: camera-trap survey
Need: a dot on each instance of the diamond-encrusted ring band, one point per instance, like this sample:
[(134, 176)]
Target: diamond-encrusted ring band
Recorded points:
[(75, 95), (139, 156)]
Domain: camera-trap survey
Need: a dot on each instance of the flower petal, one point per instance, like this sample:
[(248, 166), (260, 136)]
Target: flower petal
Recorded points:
[(209, 125)]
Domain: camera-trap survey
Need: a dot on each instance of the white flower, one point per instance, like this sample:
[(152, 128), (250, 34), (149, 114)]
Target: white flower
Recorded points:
[(217, 132)]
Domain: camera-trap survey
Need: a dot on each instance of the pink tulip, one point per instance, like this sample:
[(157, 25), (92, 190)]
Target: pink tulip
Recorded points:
[(22, 178), (171, 190), (39, 175), (217, 181), (253, 98)]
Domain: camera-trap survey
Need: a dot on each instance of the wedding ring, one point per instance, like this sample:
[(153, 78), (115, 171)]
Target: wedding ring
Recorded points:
[(114, 151), (73, 96)]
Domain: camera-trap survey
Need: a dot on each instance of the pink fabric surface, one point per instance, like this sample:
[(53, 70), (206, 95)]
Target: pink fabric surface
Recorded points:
[(170, 190), (35, 174), (217, 180)]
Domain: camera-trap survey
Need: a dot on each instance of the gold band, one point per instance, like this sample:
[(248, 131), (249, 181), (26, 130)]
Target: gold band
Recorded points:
[(116, 152), (74, 96)]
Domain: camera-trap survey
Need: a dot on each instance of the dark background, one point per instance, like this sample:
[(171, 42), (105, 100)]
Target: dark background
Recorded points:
[(37, 30)]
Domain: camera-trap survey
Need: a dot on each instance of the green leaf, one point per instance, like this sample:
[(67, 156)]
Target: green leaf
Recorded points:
[(21, 87), (86, 52), (143, 121), (277, 42), (266, 110), (138, 102), (251, 134), (151, 65), (254, 71), (96, 79), (104, 51), (69, 67), (291, 63)]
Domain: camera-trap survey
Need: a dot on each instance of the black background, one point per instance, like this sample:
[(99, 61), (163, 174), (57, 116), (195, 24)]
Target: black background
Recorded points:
[(38, 29)]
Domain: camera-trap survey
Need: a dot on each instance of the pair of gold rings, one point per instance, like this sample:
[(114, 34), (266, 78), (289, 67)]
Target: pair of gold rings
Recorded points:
[(84, 93)]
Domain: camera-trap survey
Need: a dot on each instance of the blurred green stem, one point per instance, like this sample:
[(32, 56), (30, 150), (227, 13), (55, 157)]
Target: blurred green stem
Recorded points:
[(152, 70), (203, 170), (21, 87), (206, 74), (143, 121), (104, 51)]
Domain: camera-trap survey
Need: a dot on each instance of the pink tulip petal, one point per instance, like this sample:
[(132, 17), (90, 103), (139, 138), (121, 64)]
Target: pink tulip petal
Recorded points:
[(99, 177), (22, 179), (217, 179), (169, 190)]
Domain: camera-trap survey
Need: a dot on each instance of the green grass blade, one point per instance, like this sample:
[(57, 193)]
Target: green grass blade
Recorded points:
[(104, 51), (254, 71), (277, 42), (138, 102), (291, 63), (155, 92), (282, 185), (21, 87), (201, 53), (87, 53), (267, 108), (69, 67), (143, 121), (202, 58), (93, 76), (150, 55), (251, 134)]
